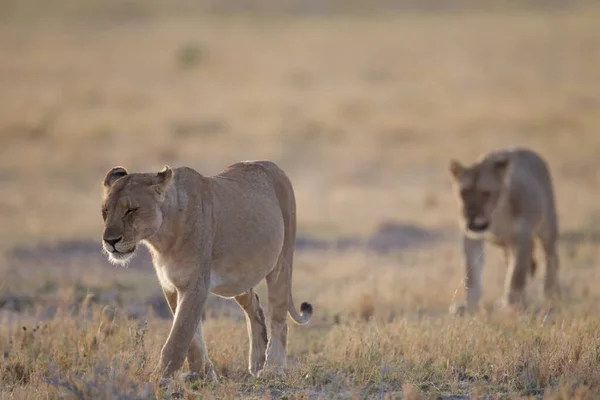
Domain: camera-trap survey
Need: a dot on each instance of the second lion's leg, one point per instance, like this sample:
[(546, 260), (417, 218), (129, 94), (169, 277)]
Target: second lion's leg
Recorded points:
[(257, 330), (473, 258), (551, 281), (474, 253), (519, 266), (533, 265)]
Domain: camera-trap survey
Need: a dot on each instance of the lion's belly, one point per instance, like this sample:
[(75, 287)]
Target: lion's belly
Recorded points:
[(229, 280), (230, 284), (226, 280), (246, 252)]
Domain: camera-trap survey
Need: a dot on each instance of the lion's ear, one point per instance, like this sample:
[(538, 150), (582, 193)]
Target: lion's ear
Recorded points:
[(112, 176), (501, 164), (163, 179), (456, 168)]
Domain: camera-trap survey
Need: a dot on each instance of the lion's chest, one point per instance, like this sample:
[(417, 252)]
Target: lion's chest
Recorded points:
[(171, 278)]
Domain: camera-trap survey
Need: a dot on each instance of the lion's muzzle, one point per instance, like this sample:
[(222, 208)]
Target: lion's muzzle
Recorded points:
[(117, 250), (111, 243)]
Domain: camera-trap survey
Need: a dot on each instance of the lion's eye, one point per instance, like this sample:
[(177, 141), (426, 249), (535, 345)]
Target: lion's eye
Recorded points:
[(104, 214), (131, 210), (486, 194)]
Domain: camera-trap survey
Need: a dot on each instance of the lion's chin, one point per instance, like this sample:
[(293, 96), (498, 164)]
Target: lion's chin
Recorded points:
[(477, 233), (120, 258)]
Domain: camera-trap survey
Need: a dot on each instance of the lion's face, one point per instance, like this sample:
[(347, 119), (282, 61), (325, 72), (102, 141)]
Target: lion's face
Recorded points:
[(478, 189), (131, 210)]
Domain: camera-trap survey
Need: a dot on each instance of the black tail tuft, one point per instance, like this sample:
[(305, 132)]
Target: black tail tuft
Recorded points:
[(306, 308)]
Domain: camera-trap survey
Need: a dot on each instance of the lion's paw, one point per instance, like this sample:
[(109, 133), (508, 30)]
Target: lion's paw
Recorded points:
[(189, 377), (165, 383), (457, 309), (211, 376), (271, 373), (503, 305)]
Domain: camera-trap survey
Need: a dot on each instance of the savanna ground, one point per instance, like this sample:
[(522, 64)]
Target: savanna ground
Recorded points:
[(363, 110)]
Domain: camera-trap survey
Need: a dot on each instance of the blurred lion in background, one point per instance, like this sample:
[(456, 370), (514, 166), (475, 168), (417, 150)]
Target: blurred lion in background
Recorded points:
[(506, 198)]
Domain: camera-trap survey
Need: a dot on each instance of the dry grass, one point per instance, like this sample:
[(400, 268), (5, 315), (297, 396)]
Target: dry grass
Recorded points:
[(363, 112), (436, 356)]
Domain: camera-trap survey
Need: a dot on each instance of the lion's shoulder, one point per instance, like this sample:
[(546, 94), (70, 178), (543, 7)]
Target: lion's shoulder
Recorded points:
[(528, 182)]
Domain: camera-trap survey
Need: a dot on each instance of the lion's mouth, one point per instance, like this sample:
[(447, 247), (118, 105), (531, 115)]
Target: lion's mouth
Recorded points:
[(120, 256), (123, 253)]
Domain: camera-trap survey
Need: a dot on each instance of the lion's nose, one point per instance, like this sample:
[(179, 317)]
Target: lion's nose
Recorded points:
[(113, 242)]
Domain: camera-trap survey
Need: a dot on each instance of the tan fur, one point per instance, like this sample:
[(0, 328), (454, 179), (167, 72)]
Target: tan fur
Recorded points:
[(507, 198), (220, 234)]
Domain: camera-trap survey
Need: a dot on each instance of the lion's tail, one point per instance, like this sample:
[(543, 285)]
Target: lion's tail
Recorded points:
[(305, 308), (287, 202)]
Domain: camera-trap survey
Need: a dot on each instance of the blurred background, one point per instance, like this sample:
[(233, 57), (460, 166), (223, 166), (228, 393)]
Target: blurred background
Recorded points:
[(361, 102)]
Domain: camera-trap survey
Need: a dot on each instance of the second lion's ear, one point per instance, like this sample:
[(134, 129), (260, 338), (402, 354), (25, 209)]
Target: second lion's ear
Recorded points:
[(456, 168), (163, 179)]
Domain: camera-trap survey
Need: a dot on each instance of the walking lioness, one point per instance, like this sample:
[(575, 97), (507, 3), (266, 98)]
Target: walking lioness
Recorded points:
[(507, 199), (221, 234)]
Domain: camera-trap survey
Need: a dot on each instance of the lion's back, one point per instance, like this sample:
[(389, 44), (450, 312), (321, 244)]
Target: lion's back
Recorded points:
[(531, 185), (254, 205)]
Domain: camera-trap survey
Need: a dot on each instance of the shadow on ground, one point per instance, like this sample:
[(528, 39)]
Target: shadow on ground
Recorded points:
[(69, 257), (390, 236)]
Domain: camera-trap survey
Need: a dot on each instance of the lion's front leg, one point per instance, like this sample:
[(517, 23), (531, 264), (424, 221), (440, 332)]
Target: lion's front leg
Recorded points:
[(474, 258), (198, 361), (190, 304)]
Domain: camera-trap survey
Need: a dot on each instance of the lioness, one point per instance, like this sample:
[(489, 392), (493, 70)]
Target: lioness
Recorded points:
[(221, 234), (506, 198)]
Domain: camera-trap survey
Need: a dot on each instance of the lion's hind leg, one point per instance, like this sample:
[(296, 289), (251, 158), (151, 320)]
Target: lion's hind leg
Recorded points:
[(257, 330), (278, 287)]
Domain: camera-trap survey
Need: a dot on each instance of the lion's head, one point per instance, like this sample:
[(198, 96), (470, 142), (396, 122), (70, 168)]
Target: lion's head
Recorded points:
[(131, 210), (478, 188)]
